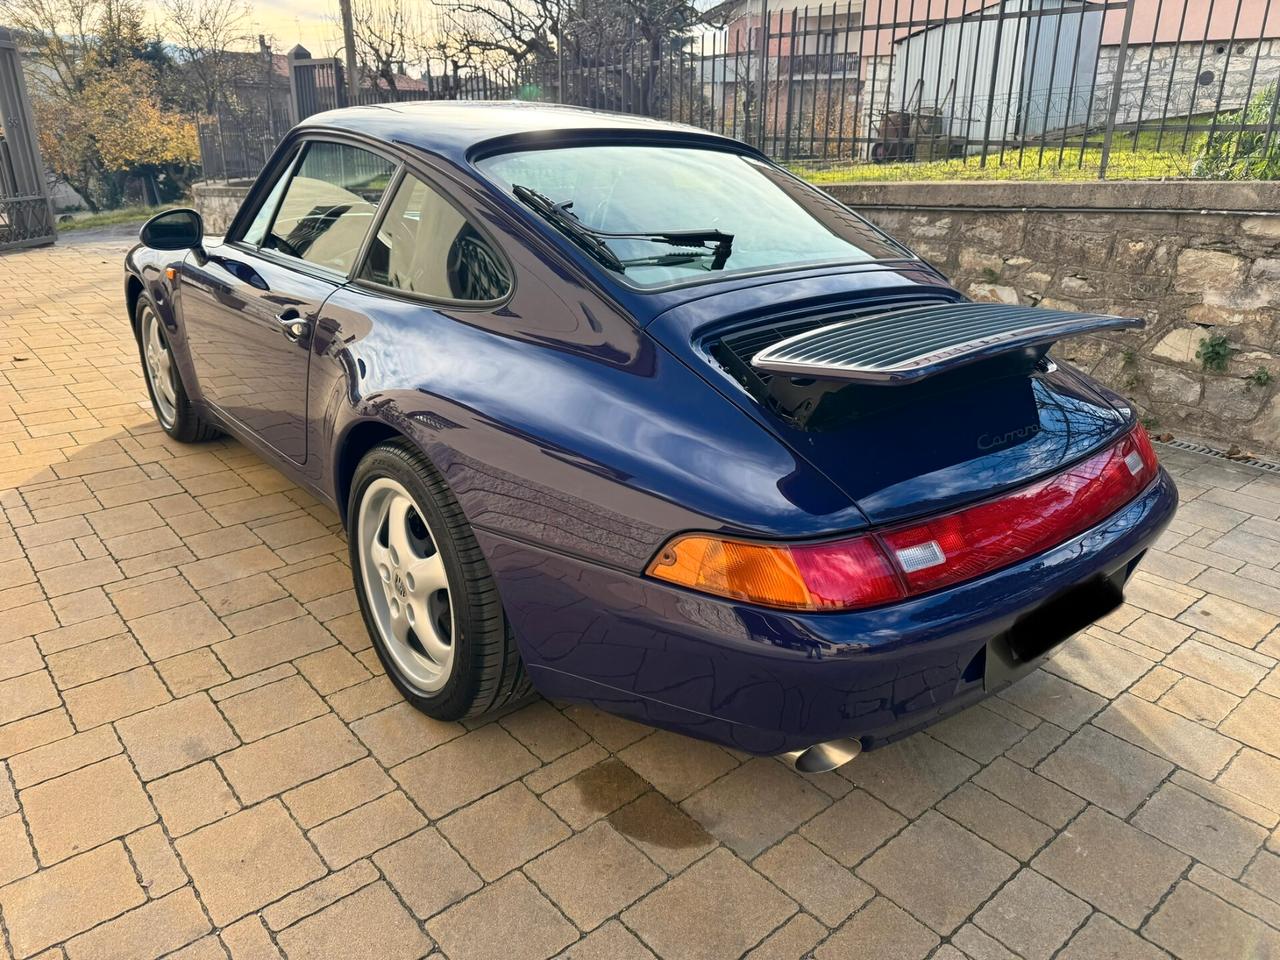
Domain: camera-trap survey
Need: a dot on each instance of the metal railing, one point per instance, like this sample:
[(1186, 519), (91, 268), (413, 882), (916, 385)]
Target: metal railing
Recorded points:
[(26, 218), (1128, 88)]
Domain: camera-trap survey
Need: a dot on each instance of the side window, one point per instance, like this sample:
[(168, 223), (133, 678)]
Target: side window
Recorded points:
[(329, 205), (425, 246), (256, 232)]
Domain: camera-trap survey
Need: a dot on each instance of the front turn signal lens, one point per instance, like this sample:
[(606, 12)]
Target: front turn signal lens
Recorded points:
[(841, 575)]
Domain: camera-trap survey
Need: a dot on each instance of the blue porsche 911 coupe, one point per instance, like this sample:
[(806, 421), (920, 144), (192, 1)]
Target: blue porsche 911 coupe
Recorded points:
[(621, 411)]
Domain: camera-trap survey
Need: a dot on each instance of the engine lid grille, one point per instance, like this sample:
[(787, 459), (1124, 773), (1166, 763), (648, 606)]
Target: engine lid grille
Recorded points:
[(908, 344)]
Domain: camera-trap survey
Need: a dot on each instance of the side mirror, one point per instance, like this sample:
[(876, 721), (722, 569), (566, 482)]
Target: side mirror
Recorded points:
[(180, 229)]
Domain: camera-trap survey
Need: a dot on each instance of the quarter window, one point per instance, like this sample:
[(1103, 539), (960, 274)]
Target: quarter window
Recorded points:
[(425, 246), (329, 205)]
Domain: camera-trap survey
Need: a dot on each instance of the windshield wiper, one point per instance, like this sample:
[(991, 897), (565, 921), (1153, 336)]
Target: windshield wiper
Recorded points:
[(594, 241)]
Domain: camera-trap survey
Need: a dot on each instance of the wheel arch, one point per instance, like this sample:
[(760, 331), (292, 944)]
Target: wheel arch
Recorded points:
[(133, 289), (358, 440)]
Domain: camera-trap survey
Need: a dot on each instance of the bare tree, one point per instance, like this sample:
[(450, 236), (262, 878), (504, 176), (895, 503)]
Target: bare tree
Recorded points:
[(386, 39), (515, 31), (211, 38)]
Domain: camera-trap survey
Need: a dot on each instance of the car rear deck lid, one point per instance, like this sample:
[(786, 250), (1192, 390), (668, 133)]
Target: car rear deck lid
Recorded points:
[(909, 344)]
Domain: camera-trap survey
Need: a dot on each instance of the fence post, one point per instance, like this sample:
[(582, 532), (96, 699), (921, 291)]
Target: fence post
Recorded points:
[(298, 85), (1116, 82), (340, 90), (762, 96)]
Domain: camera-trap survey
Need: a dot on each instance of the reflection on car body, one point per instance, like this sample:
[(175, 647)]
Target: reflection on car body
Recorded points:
[(543, 362)]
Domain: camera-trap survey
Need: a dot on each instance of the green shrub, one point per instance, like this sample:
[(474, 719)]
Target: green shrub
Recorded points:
[(1214, 352), (1242, 154), (1260, 378)]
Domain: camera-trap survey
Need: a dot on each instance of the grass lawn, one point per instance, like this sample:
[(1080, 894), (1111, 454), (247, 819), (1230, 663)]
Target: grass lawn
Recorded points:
[(111, 218), (1151, 157)]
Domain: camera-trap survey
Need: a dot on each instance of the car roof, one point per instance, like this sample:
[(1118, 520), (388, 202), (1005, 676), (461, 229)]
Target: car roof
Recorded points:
[(459, 129)]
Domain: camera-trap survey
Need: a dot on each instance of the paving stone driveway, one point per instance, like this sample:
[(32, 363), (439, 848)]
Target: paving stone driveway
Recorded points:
[(202, 758)]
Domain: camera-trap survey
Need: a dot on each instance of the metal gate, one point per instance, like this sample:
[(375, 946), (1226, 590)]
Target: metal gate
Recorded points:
[(26, 218), (314, 84)]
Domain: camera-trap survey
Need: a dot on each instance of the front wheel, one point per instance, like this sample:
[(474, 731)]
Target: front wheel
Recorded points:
[(428, 599), (174, 412)]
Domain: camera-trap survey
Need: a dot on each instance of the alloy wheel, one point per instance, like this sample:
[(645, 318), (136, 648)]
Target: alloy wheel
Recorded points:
[(159, 366), (406, 584)]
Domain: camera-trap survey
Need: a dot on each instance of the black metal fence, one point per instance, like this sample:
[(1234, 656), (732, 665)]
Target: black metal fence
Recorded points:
[(1121, 88)]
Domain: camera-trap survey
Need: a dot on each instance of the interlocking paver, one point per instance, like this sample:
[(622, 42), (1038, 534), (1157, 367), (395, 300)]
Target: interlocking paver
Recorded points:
[(152, 930), (594, 792), (1196, 925), (427, 873), (1116, 867), (368, 925), (1208, 832), (247, 860), (1167, 734), (667, 835), (55, 904), (817, 882), (1256, 721), (920, 867), (114, 697), (881, 929), (718, 908), (1105, 770), (63, 756), (528, 828), (462, 770), (911, 775), (755, 806), (486, 925), (266, 767), (77, 811), (594, 875), (371, 827), (271, 708), (192, 719)]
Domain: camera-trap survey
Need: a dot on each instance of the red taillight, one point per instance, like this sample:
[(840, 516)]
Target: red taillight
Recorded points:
[(976, 540), (874, 569)]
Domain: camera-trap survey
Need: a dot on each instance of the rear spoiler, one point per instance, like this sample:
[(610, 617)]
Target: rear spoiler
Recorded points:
[(909, 345)]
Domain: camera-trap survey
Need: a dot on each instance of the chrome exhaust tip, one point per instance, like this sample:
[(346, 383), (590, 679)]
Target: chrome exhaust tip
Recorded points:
[(824, 757)]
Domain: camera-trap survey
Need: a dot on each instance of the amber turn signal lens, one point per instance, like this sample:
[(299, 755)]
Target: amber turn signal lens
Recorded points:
[(842, 575), (171, 273)]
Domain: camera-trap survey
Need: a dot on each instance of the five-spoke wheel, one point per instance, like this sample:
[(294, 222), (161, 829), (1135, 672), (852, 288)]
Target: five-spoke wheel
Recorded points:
[(425, 591), (177, 415), (406, 584), (159, 367)]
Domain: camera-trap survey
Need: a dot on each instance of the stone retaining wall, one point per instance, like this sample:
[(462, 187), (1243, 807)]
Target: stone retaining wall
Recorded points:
[(1196, 260), (218, 202)]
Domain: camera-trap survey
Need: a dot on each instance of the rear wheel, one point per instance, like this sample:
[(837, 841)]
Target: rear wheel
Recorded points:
[(428, 599), (174, 412)]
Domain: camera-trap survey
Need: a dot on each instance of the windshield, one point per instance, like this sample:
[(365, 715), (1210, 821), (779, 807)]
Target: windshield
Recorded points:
[(774, 220)]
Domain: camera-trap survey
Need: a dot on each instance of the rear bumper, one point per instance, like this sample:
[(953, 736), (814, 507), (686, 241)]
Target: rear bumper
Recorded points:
[(768, 681)]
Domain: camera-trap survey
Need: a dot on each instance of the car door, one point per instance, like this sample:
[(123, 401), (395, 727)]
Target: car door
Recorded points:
[(249, 304)]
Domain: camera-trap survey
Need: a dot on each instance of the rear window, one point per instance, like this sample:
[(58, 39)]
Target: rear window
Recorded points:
[(774, 219)]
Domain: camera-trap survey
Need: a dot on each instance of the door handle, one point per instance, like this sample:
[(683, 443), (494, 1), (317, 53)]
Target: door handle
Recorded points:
[(292, 324)]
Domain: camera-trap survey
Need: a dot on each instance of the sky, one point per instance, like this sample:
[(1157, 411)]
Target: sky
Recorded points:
[(313, 23)]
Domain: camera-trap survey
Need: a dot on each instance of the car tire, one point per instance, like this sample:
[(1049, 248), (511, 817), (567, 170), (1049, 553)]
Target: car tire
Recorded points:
[(174, 412), (443, 637)]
